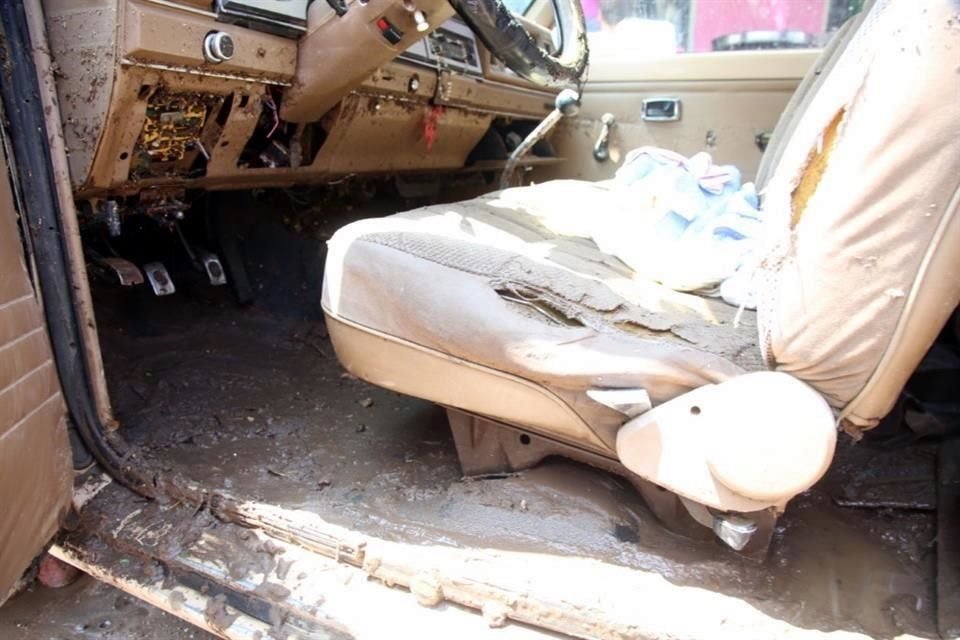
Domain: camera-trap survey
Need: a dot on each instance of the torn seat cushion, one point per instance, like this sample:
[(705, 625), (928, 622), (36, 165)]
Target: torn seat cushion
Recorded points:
[(511, 281)]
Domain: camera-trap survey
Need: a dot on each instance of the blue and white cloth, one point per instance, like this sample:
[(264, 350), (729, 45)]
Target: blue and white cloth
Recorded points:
[(695, 225)]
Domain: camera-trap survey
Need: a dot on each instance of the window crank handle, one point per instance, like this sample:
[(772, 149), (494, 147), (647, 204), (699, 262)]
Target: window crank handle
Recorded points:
[(601, 151)]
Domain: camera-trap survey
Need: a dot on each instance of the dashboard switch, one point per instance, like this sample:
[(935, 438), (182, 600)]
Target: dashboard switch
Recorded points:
[(390, 32), (218, 47)]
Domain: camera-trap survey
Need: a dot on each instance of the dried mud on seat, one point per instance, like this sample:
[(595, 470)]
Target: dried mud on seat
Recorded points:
[(255, 408)]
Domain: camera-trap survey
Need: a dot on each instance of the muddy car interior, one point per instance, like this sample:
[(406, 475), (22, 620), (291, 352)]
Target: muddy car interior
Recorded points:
[(317, 330)]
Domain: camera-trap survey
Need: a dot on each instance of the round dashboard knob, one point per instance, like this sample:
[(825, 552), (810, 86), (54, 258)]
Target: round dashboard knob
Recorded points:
[(218, 46)]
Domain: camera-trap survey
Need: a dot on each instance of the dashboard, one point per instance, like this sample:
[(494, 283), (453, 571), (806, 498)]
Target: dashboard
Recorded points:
[(451, 46), (160, 96)]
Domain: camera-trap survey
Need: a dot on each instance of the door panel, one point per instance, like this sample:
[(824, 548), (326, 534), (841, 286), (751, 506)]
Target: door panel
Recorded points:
[(35, 462), (726, 100)]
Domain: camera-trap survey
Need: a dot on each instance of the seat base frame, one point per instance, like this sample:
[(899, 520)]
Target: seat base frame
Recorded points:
[(489, 448)]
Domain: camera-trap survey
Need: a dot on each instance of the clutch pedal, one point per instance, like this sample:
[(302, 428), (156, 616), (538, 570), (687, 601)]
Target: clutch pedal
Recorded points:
[(125, 271)]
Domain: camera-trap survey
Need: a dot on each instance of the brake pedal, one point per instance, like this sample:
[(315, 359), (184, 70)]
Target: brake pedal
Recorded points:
[(159, 278), (211, 264)]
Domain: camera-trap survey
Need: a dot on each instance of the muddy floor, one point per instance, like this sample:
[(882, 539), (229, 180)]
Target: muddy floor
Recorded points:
[(89, 610), (255, 404)]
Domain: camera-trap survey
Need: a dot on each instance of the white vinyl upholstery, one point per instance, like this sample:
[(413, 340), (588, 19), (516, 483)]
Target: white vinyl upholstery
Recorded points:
[(510, 282)]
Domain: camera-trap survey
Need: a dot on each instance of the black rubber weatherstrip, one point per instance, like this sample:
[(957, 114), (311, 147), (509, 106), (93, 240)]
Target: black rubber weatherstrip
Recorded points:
[(27, 132)]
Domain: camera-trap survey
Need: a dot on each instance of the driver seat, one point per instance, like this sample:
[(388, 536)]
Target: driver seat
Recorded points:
[(502, 307)]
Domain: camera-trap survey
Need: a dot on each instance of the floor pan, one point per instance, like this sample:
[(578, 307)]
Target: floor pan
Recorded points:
[(254, 409)]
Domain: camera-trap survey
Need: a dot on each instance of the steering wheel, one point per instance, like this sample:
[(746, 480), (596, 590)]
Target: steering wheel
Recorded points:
[(509, 40)]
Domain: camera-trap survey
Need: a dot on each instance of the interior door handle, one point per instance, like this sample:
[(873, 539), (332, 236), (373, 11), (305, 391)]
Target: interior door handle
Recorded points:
[(601, 151), (661, 109)]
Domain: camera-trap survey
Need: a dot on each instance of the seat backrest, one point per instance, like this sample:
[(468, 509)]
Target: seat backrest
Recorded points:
[(805, 92), (863, 197)]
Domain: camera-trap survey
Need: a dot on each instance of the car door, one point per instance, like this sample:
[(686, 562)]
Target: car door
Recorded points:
[(35, 461), (690, 76)]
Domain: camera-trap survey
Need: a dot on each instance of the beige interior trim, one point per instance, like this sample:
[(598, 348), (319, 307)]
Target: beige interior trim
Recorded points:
[(388, 361), (722, 117), (681, 87), (722, 65)]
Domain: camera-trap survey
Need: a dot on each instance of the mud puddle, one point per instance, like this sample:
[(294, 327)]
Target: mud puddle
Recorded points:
[(258, 407)]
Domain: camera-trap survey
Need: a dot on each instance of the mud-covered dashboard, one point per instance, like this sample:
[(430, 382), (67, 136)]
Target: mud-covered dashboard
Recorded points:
[(160, 95)]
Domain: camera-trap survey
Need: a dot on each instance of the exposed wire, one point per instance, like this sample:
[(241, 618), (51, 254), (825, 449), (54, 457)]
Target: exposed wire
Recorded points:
[(268, 100), (203, 150)]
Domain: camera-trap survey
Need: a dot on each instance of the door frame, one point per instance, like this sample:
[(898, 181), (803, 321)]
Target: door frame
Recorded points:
[(42, 212)]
